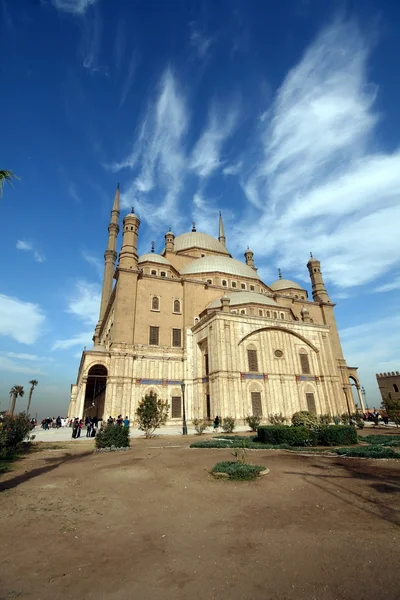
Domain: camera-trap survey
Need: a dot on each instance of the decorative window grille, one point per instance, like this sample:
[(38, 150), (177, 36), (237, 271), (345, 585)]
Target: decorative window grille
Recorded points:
[(177, 338), (176, 407), (154, 336), (155, 303), (252, 358), (305, 365), (256, 404), (310, 401)]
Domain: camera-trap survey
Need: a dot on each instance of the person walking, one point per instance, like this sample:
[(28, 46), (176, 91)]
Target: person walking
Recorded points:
[(75, 425), (216, 423), (127, 422), (79, 429), (89, 426)]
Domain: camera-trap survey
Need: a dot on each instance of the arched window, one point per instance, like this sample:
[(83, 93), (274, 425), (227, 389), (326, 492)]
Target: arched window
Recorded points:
[(396, 388), (243, 311), (177, 306), (155, 303), (209, 281), (275, 315), (252, 288), (268, 313), (260, 312), (256, 405), (252, 358), (163, 274), (154, 272), (224, 283), (304, 362), (243, 286), (282, 315), (233, 284)]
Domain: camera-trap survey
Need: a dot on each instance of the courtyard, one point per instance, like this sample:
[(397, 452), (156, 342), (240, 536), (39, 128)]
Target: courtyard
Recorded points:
[(151, 523)]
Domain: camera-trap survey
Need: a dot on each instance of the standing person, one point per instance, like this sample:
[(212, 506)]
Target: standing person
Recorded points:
[(89, 426), (216, 423), (127, 422), (120, 420), (58, 422), (110, 420), (75, 428), (94, 427)]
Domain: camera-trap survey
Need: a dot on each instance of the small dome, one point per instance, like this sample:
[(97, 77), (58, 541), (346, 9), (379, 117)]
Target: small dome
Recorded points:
[(284, 284), (244, 298), (196, 239), (153, 257), (219, 264)]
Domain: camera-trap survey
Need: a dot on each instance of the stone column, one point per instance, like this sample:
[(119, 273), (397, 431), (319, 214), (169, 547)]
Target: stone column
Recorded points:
[(360, 398)]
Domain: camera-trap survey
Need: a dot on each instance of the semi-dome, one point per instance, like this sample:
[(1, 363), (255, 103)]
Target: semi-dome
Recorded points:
[(153, 257), (219, 264), (244, 298), (285, 284), (196, 239)]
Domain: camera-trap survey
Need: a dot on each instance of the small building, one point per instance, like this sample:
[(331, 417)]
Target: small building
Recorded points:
[(389, 385)]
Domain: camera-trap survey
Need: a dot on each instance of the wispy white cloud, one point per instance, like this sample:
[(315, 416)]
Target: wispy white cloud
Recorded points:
[(206, 155), (73, 192), (319, 183), (129, 77), (392, 285), (22, 321), (11, 366), (81, 339), (158, 156), (233, 169), (95, 262), (76, 7), (29, 357), (201, 42), (28, 247), (85, 302), (91, 44)]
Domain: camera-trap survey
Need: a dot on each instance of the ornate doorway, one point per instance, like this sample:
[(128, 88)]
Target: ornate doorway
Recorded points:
[(95, 392)]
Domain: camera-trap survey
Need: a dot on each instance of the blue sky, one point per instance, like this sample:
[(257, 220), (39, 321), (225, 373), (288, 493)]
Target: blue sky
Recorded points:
[(282, 114)]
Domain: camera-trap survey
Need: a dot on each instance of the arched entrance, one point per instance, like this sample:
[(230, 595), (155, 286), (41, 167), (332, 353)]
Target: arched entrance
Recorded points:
[(356, 393), (95, 392)]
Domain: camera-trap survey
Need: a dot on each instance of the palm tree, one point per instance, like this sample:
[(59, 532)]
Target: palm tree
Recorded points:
[(6, 176), (33, 383), (15, 391)]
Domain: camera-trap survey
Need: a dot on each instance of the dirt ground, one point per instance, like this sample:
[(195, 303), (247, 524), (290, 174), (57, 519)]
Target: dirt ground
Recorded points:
[(151, 524)]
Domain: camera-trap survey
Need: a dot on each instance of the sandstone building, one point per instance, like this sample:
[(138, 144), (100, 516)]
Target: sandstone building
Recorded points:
[(389, 385), (194, 315)]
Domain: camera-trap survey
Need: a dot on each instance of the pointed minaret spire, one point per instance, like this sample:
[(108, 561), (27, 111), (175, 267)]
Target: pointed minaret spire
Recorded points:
[(116, 202), (221, 235), (153, 246), (193, 227), (280, 274)]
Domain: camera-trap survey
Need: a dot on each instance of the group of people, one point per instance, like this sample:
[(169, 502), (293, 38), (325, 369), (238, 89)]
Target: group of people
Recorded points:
[(91, 424), (375, 416), (119, 421), (54, 423)]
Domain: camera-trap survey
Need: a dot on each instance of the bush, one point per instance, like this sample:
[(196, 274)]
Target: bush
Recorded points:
[(13, 431), (381, 440), (304, 436), (113, 436), (325, 419), (284, 434), (253, 421), (200, 425), (303, 418), (238, 471), (367, 452), (151, 414), (345, 418), (228, 424), (277, 419), (336, 435)]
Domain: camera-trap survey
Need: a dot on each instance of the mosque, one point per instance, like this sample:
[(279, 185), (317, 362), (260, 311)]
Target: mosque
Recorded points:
[(203, 331)]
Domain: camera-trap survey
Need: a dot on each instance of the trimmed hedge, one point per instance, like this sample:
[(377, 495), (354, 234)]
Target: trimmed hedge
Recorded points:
[(238, 471), (381, 440), (113, 436), (367, 452), (304, 436)]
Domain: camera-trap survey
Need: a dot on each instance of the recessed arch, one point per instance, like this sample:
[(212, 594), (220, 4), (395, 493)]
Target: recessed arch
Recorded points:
[(95, 391), (283, 330)]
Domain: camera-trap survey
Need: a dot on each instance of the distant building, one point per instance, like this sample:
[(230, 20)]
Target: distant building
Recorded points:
[(389, 385), (197, 317)]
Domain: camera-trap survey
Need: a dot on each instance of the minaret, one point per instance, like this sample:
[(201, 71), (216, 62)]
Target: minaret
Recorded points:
[(221, 235), (318, 287), (169, 241), (126, 286), (110, 256), (249, 256)]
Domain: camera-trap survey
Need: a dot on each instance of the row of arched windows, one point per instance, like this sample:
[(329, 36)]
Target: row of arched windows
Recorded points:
[(252, 359), (155, 305)]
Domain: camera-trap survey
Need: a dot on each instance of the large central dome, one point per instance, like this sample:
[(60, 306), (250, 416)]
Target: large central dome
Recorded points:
[(196, 239), (219, 264)]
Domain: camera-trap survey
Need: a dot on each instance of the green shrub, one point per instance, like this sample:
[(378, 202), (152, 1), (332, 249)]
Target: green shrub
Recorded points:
[(325, 419), (277, 419), (345, 418), (305, 418), (381, 440), (113, 436), (367, 452), (151, 414), (253, 421), (238, 471), (284, 434), (237, 442), (228, 424), (13, 431), (337, 435), (200, 425)]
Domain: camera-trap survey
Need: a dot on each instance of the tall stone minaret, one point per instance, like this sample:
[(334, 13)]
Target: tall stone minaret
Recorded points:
[(110, 256), (221, 235), (126, 286), (318, 287)]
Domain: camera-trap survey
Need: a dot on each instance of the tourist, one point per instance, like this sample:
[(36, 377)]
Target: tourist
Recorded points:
[(80, 425), (120, 420), (216, 423), (127, 422), (75, 427), (89, 428), (94, 427), (58, 422), (110, 420)]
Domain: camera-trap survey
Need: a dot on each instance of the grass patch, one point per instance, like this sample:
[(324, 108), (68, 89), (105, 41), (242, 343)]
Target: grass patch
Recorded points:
[(238, 471), (237, 442), (374, 451), (381, 440)]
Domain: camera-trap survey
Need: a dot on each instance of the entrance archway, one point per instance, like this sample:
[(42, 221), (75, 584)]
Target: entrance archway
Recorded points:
[(356, 393), (95, 392)]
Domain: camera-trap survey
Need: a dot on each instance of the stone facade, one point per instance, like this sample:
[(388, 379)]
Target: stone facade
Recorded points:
[(389, 385), (195, 315)]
